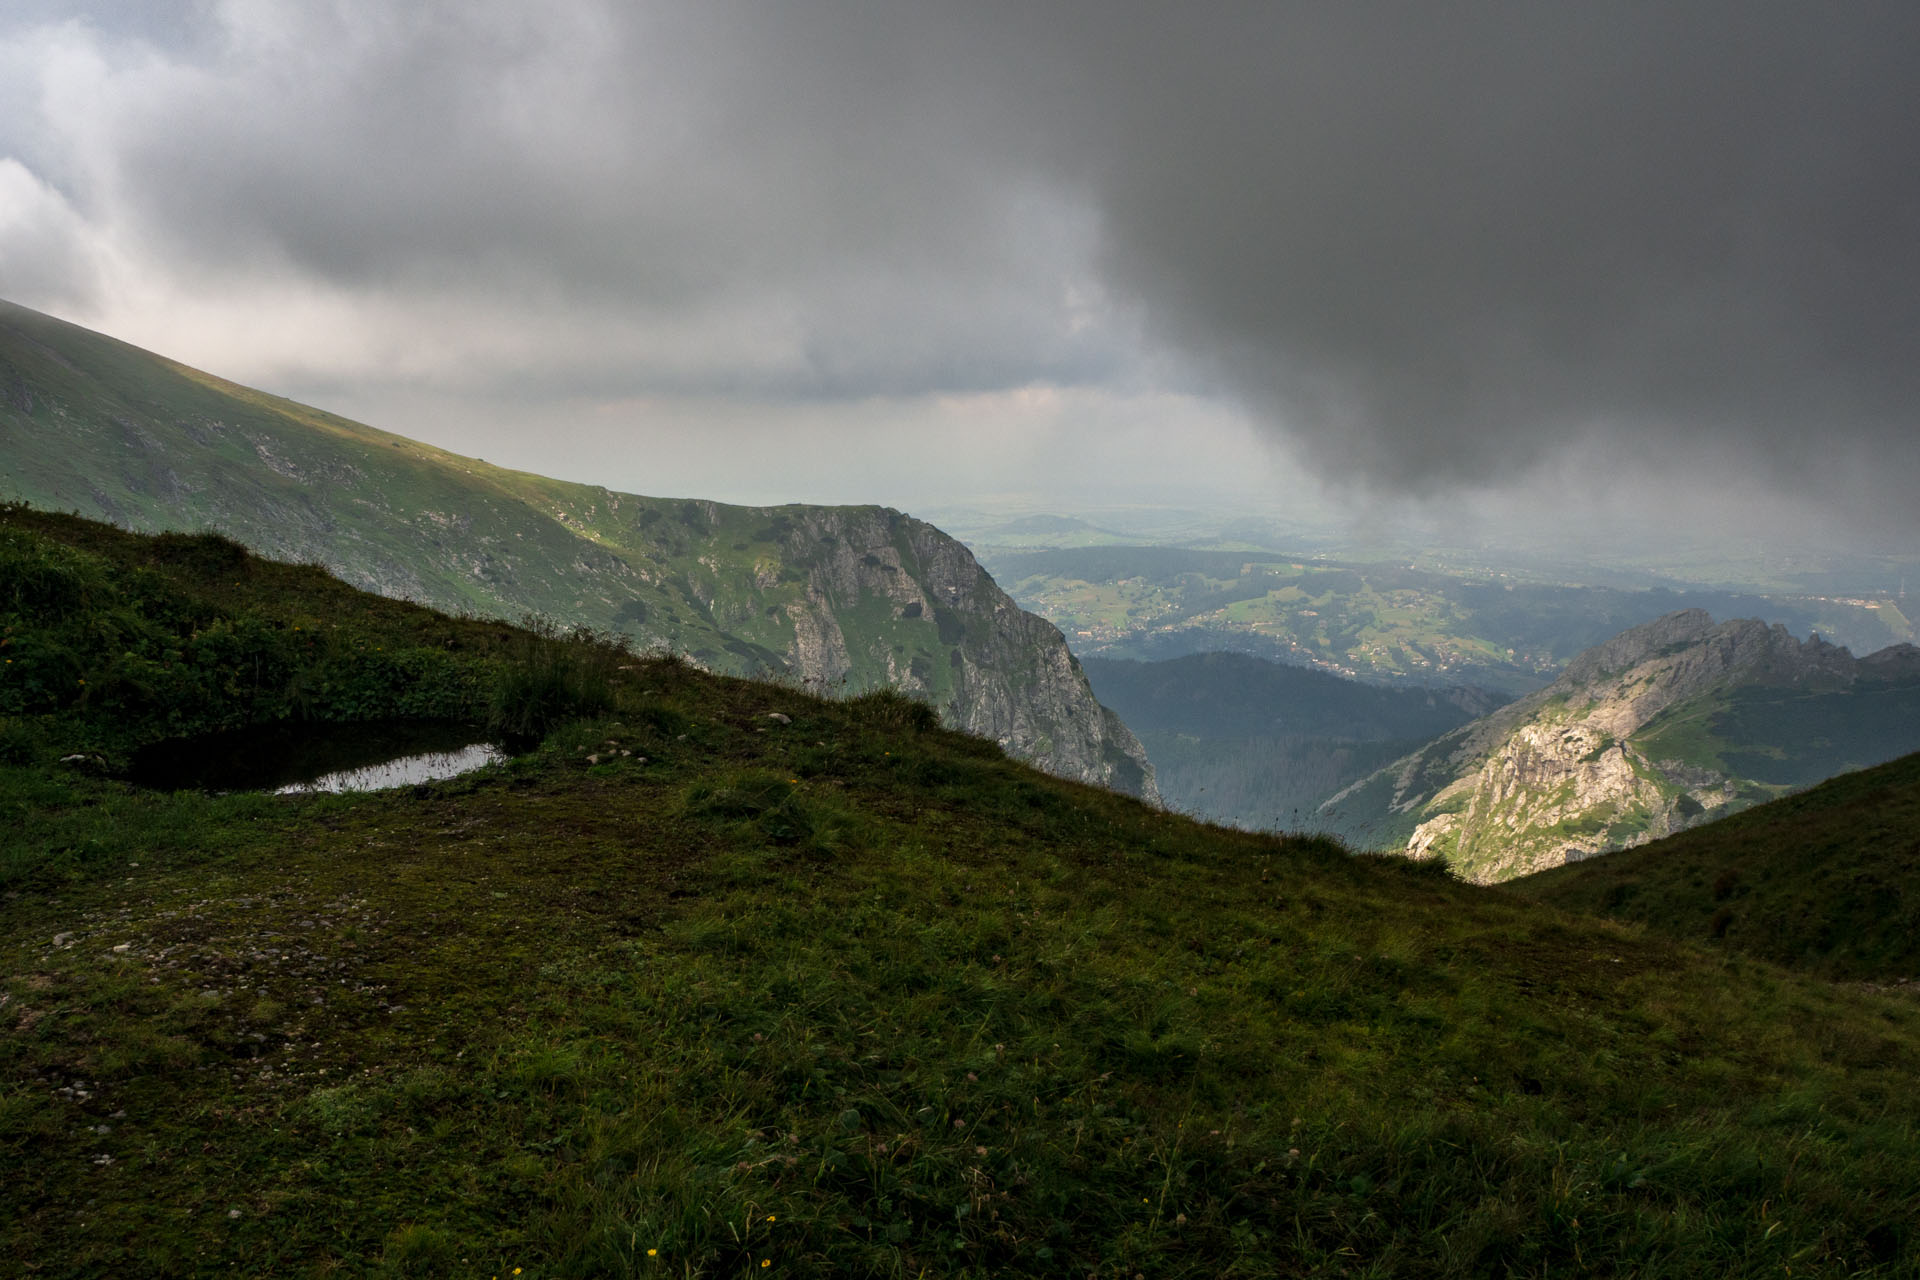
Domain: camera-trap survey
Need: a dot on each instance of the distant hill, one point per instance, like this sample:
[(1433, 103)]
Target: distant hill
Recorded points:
[(1260, 744), (1046, 526), (844, 598), (1663, 727), (1827, 880), (1381, 622)]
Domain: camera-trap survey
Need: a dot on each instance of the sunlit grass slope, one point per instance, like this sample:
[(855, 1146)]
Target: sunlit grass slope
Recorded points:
[(813, 988), (95, 426), (850, 597), (1827, 880)]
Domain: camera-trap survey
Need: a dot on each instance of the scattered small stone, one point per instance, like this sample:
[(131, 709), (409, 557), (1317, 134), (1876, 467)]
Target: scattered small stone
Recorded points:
[(123, 948), (593, 759), (62, 939), (779, 717), (233, 1213)]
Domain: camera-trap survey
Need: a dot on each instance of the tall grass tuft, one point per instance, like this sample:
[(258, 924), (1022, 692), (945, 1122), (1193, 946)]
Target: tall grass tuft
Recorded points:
[(892, 709), (554, 674)]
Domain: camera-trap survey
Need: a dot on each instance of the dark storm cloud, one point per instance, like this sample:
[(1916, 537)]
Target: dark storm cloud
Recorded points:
[(1439, 240), (810, 199), (1433, 244)]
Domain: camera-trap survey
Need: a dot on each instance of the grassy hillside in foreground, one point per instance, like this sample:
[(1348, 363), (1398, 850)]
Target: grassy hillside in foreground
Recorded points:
[(816, 988), (1827, 880)]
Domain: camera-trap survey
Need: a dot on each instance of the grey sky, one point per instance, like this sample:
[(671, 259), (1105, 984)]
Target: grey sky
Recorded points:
[(1445, 252)]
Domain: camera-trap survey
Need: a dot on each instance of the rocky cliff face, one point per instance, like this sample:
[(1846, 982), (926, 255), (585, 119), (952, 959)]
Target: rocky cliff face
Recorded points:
[(844, 599), (1009, 675), (1639, 737), (889, 600)]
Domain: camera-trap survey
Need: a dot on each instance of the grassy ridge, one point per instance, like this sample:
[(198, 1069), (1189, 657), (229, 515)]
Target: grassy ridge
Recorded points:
[(114, 432), (849, 597), (813, 988), (1827, 880)]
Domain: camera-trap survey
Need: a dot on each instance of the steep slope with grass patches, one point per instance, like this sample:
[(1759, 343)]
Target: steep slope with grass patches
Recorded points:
[(1827, 880), (842, 598), (1663, 727), (816, 988)]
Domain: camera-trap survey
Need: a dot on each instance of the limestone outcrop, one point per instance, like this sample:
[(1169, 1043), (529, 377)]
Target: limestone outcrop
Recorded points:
[(1651, 732)]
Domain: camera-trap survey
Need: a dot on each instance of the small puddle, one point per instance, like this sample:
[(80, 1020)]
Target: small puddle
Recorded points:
[(291, 758)]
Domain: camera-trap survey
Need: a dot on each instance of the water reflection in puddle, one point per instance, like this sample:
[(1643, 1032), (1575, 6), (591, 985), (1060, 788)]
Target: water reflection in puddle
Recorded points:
[(430, 766), (292, 758)]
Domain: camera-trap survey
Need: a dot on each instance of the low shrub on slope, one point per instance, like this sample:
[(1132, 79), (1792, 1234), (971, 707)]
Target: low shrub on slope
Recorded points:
[(811, 988)]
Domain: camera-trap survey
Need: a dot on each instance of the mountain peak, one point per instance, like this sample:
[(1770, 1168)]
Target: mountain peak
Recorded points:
[(1660, 728), (1632, 647)]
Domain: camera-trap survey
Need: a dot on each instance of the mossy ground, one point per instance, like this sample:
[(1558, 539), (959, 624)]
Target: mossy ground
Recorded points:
[(840, 993)]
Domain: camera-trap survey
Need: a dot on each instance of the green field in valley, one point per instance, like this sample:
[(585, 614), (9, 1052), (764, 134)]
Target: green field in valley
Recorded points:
[(1373, 621)]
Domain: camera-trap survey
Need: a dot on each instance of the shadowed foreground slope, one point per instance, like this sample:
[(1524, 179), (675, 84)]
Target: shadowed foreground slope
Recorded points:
[(1827, 880), (815, 988)]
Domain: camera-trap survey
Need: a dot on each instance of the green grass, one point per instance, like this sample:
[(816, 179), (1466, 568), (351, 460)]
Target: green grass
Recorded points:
[(555, 676), (1826, 880), (1687, 734), (805, 987)]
